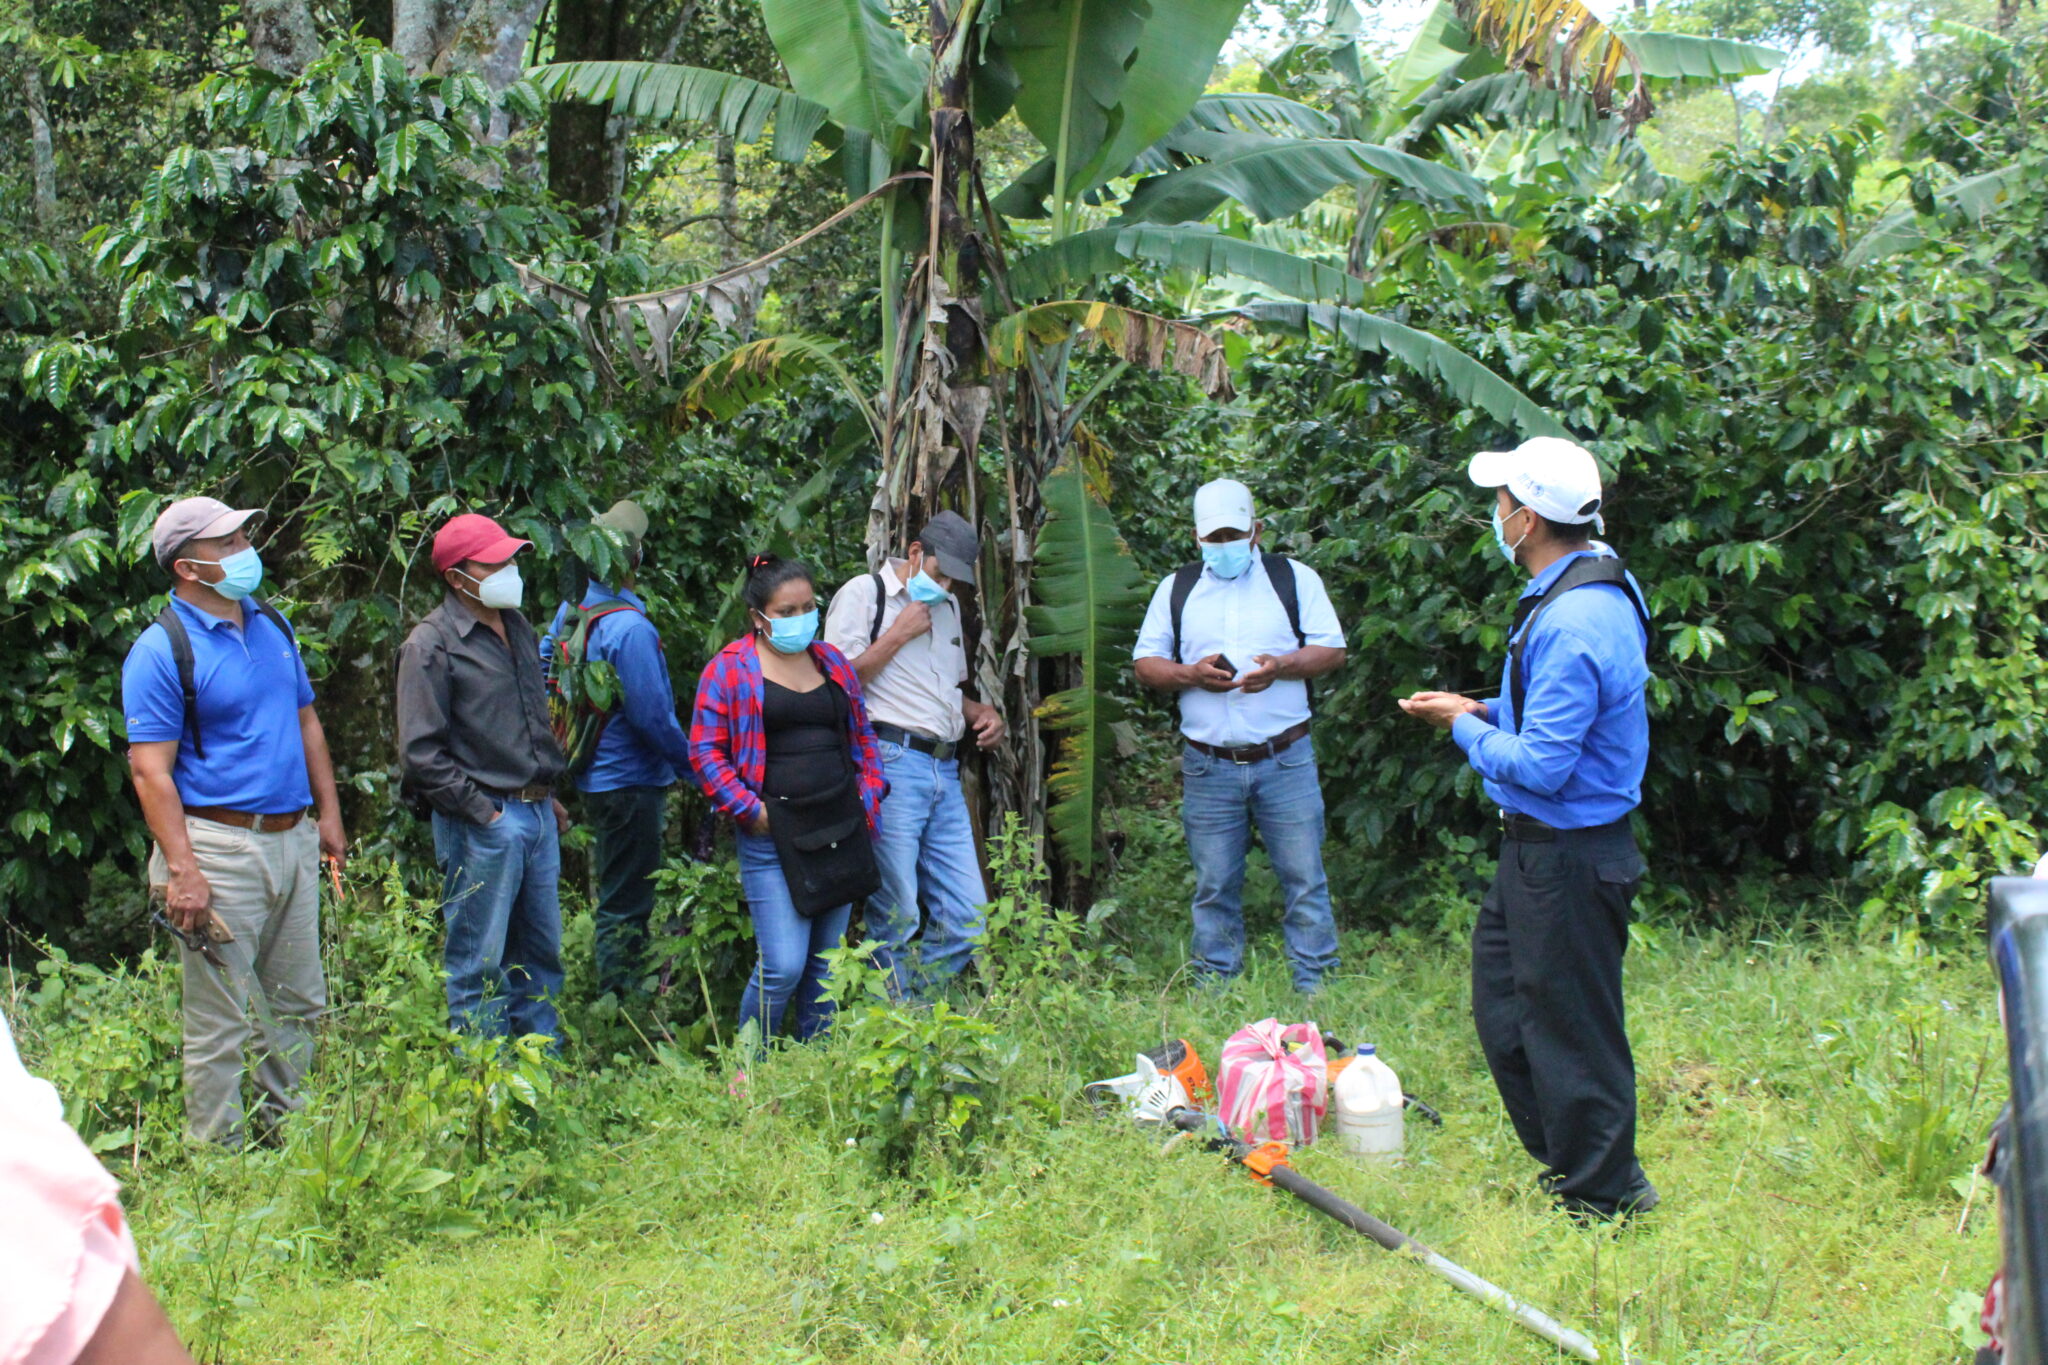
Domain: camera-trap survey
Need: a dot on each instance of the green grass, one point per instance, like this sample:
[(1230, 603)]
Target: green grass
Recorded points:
[(648, 1216)]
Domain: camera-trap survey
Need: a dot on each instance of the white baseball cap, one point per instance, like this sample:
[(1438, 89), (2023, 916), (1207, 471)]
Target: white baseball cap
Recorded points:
[(1557, 478), (1223, 504)]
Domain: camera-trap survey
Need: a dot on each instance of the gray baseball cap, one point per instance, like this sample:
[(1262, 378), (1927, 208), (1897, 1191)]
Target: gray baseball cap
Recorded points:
[(949, 539), (194, 519)]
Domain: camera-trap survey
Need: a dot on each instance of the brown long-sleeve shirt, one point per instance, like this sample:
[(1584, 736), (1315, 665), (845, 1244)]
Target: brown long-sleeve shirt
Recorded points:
[(473, 712)]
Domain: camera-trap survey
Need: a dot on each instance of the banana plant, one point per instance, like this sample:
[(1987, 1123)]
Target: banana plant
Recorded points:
[(987, 292)]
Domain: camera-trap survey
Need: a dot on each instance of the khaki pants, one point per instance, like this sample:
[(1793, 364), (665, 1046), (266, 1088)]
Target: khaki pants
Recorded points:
[(266, 889)]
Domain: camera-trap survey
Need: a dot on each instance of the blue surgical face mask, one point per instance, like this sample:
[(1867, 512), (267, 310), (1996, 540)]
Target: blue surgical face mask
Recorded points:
[(241, 574), (1500, 538), (1228, 560), (792, 634), (924, 588)]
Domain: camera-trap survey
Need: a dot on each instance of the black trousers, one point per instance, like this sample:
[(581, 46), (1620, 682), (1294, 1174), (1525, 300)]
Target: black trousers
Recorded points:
[(1546, 996), (627, 823)]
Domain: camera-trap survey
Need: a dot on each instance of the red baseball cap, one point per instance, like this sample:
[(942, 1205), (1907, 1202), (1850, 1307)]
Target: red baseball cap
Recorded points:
[(474, 536)]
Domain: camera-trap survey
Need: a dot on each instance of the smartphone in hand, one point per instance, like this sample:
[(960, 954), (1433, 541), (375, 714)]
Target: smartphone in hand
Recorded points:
[(1223, 662)]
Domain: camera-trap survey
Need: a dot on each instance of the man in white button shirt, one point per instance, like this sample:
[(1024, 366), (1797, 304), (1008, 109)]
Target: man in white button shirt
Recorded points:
[(901, 628), (1251, 629)]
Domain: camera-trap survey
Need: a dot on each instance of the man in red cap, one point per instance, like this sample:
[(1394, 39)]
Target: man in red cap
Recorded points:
[(474, 744)]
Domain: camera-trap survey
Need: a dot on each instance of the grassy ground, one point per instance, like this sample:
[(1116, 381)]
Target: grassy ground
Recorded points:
[(649, 1216)]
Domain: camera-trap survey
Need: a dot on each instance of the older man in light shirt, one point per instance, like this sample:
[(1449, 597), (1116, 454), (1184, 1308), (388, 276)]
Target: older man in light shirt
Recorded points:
[(1238, 634), (901, 627)]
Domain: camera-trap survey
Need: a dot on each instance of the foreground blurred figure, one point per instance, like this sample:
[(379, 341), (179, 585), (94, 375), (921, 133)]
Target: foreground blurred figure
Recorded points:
[(69, 1290)]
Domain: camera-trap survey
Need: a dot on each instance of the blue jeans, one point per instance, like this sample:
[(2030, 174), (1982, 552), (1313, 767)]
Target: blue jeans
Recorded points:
[(926, 853), (792, 948), (1220, 801), (504, 920)]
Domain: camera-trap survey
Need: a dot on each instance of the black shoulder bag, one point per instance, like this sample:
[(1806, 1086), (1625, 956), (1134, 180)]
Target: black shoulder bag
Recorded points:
[(822, 841)]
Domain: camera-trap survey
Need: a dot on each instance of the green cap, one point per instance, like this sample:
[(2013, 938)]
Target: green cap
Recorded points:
[(625, 517)]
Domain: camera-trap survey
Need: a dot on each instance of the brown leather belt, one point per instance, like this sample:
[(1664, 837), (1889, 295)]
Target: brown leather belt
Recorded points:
[(1253, 753), (536, 792), (247, 819)]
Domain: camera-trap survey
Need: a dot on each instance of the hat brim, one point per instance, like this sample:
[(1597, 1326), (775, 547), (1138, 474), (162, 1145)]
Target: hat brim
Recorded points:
[(1492, 468), (227, 523), (494, 552), (958, 570)]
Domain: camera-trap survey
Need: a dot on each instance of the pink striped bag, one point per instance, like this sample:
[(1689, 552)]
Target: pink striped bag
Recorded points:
[(1272, 1083)]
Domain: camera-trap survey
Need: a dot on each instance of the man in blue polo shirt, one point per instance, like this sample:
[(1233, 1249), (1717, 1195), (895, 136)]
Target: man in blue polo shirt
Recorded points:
[(225, 783), (1562, 751), (639, 755)]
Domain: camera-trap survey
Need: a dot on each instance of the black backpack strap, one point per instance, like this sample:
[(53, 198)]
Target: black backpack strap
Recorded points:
[(1184, 579), (276, 618), (1586, 569), (881, 602), (1280, 573), (181, 657)]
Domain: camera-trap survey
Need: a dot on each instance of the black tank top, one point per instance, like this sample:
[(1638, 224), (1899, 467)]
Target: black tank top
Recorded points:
[(806, 734)]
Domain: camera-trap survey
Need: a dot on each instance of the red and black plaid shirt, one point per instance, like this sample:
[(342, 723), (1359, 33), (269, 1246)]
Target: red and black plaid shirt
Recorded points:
[(729, 747)]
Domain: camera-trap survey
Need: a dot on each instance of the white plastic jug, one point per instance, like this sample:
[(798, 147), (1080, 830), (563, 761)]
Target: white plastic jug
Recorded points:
[(1366, 1104)]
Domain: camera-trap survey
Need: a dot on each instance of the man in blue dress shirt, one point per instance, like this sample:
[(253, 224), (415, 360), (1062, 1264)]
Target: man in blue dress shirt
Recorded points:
[(1251, 629), (1562, 751), (639, 755)]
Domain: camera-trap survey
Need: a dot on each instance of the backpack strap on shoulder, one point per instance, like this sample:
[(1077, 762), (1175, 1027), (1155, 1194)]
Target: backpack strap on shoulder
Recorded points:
[(881, 602), (1184, 580), (1586, 569), (181, 658), (1280, 573)]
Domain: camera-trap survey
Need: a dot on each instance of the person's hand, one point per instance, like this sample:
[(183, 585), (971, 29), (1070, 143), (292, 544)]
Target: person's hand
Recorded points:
[(986, 722), (333, 839), (1264, 673), (561, 815), (758, 826), (914, 620), (1440, 708), (1210, 675), (187, 897)]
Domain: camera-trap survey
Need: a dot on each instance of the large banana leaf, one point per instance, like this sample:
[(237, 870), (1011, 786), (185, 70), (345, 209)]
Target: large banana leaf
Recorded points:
[(1274, 177), (1234, 111), (1092, 599), (1098, 81), (1565, 45), (734, 105), (1466, 379), (1192, 247), (849, 57), (1686, 57), (1975, 196)]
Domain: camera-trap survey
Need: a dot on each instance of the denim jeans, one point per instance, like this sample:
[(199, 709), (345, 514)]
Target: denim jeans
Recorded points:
[(627, 824), (1220, 802), (792, 948), (926, 854), (504, 920)]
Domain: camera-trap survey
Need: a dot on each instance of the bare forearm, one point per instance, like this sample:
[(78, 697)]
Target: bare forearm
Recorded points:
[(320, 766), (164, 812), (1310, 661), (1164, 674)]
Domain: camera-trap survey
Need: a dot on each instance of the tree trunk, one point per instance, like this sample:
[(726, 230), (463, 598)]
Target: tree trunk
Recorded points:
[(579, 160), (281, 34), (420, 29), (42, 148), (491, 40)]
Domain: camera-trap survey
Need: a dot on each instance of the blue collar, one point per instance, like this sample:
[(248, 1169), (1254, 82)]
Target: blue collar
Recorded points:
[(1541, 582), (207, 619), (597, 592)]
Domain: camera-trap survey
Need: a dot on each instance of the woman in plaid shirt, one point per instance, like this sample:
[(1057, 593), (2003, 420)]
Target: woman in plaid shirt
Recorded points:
[(779, 714)]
